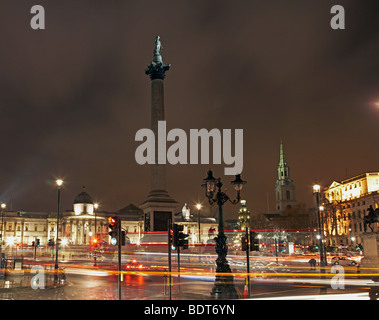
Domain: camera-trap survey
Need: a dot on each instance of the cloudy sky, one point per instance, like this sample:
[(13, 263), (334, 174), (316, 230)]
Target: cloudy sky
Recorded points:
[(73, 96)]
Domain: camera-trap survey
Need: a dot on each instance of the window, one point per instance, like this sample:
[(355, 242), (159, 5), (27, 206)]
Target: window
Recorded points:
[(288, 195)]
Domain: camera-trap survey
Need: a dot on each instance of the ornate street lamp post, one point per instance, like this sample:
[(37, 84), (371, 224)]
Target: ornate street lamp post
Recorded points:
[(198, 206), (3, 206), (95, 240), (59, 184), (95, 206), (323, 262), (223, 286)]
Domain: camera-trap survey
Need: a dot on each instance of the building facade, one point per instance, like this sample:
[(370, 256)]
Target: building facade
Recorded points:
[(345, 205), (77, 227)]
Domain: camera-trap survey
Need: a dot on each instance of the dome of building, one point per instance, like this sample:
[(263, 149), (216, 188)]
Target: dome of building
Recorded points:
[(83, 203), (83, 197)]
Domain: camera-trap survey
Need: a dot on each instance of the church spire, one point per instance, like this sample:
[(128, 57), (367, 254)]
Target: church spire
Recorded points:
[(282, 158), (285, 187), (283, 168)]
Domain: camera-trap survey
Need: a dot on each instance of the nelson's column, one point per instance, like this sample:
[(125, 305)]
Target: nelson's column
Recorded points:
[(159, 206)]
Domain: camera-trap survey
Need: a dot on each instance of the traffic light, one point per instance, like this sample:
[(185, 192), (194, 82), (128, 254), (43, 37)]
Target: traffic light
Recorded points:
[(37, 242), (254, 241), (51, 243), (114, 226), (33, 244), (244, 242), (175, 235), (183, 241), (123, 237), (171, 236), (179, 239)]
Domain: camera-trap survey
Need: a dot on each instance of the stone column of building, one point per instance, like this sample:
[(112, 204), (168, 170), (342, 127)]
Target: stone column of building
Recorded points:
[(76, 227), (22, 230), (159, 206)]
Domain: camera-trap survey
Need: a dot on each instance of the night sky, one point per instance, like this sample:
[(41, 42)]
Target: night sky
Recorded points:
[(73, 96)]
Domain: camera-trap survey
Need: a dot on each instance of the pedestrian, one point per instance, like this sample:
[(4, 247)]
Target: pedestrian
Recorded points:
[(312, 263)]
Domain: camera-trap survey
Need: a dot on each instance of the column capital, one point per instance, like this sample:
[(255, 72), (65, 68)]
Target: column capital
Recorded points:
[(157, 70)]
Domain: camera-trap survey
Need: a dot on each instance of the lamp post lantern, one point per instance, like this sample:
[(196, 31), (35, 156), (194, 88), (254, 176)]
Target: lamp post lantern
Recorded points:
[(223, 286)]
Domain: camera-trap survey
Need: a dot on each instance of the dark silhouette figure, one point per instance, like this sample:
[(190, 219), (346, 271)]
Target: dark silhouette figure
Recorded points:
[(372, 217), (312, 263)]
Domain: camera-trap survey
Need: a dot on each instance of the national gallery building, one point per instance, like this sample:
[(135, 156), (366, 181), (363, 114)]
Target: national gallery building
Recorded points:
[(77, 227), (85, 222)]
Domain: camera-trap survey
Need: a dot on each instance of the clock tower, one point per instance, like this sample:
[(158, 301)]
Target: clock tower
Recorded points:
[(285, 187)]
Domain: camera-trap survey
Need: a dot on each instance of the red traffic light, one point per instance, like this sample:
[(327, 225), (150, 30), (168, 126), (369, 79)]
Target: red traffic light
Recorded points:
[(112, 221)]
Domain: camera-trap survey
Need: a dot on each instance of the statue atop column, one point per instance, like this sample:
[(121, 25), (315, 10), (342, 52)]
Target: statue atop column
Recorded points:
[(156, 70), (158, 48)]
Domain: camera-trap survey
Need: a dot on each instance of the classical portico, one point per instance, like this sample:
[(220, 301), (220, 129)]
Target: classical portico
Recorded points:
[(80, 227)]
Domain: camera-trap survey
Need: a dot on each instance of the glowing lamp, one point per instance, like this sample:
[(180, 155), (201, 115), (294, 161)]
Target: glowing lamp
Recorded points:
[(209, 183), (238, 182)]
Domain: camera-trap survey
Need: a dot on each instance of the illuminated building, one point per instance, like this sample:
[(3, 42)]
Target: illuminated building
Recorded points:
[(76, 227), (345, 205)]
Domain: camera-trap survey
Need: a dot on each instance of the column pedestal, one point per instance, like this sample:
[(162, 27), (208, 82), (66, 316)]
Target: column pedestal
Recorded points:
[(370, 262)]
